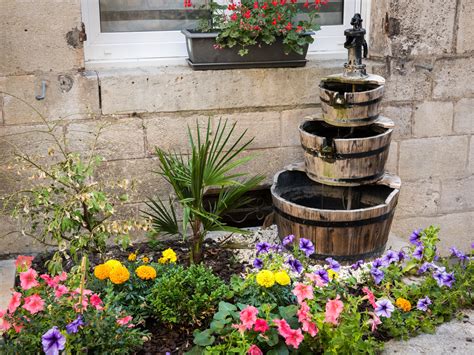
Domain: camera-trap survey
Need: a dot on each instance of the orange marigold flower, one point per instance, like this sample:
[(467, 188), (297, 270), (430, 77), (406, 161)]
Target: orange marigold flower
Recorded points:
[(102, 271), (403, 304), (119, 275), (146, 272)]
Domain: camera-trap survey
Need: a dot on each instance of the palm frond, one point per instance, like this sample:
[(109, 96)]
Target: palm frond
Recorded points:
[(163, 219)]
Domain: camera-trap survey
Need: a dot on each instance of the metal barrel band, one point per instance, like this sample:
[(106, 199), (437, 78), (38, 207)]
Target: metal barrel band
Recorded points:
[(318, 153), (350, 104)]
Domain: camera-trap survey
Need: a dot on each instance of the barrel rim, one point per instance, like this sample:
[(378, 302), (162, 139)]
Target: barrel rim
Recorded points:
[(389, 202), (353, 98), (378, 136)]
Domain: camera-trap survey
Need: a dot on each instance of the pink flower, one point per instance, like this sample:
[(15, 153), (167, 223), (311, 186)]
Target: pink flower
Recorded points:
[(303, 312), (370, 296), (283, 327), (85, 292), (14, 302), (303, 292), (62, 276), (294, 338), (50, 281), (4, 325), (28, 279), (96, 302), (34, 304), (240, 327), (60, 290), (374, 322), (23, 261), (254, 350), (18, 327), (261, 325), (248, 316), (310, 328), (316, 279), (125, 320), (333, 310)]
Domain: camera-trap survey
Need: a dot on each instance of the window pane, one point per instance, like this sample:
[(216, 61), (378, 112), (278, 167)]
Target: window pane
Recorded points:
[(330, 14), (148, 15)]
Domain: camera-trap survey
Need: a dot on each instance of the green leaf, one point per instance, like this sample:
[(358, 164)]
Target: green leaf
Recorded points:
[(280, 350), (226, 307), (288, 311), (204, 338)]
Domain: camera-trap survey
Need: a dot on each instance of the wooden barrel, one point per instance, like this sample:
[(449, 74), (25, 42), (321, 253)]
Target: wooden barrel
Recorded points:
[(345, 156), (349, 102), (349, 223)]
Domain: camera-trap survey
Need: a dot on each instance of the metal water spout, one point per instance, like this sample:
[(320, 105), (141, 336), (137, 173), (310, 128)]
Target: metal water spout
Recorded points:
[(357, 48)]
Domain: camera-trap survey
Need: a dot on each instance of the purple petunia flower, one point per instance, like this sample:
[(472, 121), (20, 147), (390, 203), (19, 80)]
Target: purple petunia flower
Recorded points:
[(415, 237), (472, 245), (357, 264), (438, 276), (262, 247), (377, 263), (288, 239), (377, 275), (418, 253), (384, 308), (53, 341), (306, 246), (401, 256), (425, 267), (323, 274), (448, 279), (457, 253), (333, 264), (423, 304), (73, 327), (389, 258), (295, 265), (258, 263)]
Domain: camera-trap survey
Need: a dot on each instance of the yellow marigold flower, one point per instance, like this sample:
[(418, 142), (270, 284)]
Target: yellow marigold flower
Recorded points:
[(102, 271), (146, 272), (146, 259), (169, 255), (265, 278), (333, 275), (119, 275), (112, 264), (403, 304), (282, 278), (132, 257)]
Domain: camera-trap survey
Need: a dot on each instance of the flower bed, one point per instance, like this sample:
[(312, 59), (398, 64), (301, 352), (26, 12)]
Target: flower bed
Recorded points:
[(283, 303)]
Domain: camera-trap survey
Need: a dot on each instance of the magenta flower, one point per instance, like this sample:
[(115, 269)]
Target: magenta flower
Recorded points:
[(306, 247), (53, 341), (423, 304), (384, 308)]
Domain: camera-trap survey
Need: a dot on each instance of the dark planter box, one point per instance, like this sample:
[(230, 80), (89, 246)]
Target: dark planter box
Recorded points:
[(203, 55)]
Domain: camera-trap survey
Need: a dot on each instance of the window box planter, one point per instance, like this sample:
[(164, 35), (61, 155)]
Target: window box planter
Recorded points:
[(203, 55)]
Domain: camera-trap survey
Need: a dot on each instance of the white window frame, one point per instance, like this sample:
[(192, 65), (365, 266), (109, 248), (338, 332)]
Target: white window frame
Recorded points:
[(169, 47)]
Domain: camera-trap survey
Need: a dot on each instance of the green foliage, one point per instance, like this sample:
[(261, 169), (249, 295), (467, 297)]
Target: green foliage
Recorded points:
[(247, 25), (211, 164), (187, 295)]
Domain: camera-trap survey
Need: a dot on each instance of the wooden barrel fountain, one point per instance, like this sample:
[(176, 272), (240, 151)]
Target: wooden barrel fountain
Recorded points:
[(346, 156), (351, 102), (349, 223)]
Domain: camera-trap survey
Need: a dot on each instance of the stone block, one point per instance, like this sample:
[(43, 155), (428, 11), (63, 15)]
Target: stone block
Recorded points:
[(457, 194), (465, 30), (401, 116), (407, 82), (413, 32), (456, 229), (419, 198), (263, 127), (142, 182), (13, 242), (117, 138), (68, 96), (378, 38), (290, 123), (433, 157), (433, 118), (34, 36), (453, 78), (170, 133), (179, 88), (464, 116), (471, 157), (392, 161)]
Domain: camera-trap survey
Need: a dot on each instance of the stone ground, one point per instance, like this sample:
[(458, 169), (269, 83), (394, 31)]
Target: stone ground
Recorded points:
[(455, 337)]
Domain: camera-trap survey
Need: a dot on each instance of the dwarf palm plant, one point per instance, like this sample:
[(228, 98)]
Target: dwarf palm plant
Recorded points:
[(211, 164)]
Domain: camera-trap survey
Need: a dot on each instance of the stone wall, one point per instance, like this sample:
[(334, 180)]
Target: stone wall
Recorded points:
[(423, 49)]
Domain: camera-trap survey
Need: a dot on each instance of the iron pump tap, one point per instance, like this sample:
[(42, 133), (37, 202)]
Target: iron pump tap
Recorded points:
[(357, 48)]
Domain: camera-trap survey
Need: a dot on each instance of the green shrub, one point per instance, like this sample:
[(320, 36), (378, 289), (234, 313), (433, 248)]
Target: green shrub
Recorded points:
[(186, 295)]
